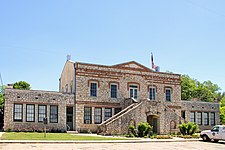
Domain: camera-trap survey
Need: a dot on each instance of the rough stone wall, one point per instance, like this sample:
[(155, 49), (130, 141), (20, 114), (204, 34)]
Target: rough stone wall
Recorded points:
[(196, 106), (123, 75), (13, 96), (165, 117), (66, 80)]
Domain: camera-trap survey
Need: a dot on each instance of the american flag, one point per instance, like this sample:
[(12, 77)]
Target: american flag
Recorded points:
[(153, 65)]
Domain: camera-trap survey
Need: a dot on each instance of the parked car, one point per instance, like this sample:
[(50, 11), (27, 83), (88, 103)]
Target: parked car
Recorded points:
[(216, 133)]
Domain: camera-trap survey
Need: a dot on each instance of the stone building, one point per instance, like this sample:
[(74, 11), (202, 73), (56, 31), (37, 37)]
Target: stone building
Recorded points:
[(107, 99)]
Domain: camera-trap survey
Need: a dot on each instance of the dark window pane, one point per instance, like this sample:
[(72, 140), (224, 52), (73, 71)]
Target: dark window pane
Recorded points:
[(53, 114), (108, 113), (93, 90), (113, 91), (87, 115)]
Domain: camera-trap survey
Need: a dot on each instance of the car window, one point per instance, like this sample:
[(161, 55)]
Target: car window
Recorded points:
[(215, 129)]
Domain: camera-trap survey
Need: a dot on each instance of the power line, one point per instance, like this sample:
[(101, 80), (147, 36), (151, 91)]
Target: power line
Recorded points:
[(205, 8)]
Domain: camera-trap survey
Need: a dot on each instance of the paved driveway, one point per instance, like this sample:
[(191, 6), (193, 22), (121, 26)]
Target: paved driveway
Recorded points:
[(119, 146)]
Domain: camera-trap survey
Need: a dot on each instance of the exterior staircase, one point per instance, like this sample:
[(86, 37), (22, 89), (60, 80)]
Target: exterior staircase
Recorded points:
[(104, 129)]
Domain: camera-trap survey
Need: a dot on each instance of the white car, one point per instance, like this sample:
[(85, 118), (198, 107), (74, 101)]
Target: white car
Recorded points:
[(216, 133)]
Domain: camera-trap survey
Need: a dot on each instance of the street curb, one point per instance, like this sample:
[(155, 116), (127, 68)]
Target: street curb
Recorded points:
[(94, 142)]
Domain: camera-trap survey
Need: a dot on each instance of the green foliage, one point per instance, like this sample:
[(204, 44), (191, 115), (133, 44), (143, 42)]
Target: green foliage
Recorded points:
[(222, 115), (205, 91), (132, 132), (2, 97), (188, 128), (144, 129), (21, 85)]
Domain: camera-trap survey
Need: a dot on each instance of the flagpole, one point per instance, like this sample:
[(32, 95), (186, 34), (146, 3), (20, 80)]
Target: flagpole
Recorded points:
[(1, 81)]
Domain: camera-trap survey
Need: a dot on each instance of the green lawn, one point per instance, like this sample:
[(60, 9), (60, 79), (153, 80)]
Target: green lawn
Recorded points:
[(52, 136)]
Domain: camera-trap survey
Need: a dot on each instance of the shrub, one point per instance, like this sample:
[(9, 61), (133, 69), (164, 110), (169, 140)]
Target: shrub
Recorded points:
[(144, 129), (132, 131), (164, 137), (188, 128)]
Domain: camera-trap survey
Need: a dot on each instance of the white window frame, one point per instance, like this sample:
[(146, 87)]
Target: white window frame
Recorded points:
[(133, 88), (154, 92)]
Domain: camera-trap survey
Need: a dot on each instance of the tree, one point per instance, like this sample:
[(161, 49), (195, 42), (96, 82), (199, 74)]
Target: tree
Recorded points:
[(2, 96), (222, 115), (21, 85), (188, 88), (206, 91)]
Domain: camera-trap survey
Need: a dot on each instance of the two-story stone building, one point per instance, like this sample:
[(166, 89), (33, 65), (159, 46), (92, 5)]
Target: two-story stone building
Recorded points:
[(107, 99)]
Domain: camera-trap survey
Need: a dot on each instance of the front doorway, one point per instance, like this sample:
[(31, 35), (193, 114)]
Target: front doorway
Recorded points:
[(153, 121), (133, 91), (69, 118)]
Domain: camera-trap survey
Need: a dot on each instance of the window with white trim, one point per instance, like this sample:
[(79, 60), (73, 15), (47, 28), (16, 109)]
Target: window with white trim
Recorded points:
[(206, 118), (42, 112), (18, 112), (192, 116), (152, 93), (108, 113), (53, 114), (199, 118), (30, 108), (87, 115), (133, 90), (98, 115), (212, 119)]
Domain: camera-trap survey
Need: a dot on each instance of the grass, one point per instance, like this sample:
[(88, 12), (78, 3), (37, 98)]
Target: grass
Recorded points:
[(52, 136)]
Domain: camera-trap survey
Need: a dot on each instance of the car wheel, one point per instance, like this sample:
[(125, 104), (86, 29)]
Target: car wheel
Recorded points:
[(205, 138)]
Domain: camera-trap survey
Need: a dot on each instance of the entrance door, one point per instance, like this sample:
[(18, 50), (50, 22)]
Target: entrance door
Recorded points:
[(69, 118), (153, 121), (154, 124)]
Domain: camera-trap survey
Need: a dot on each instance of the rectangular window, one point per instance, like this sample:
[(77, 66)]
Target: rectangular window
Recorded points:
[(206, 118), (42, 112), (212, 119), (53, 114), (133, 91), (199, 118), (168, 94), (30, 112), (192, 117), (152, 93), (98, 115), (108, 113), (87, 115), (113, 88), (183, 114), (18, 112), (93, 90)]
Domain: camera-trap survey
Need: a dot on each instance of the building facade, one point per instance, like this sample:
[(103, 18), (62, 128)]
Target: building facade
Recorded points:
[(107, 99)]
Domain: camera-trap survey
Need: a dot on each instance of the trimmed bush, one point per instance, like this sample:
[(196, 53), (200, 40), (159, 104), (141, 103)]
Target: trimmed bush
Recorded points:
[(188, 128), (164, 137), (132, 132), (144, 129)]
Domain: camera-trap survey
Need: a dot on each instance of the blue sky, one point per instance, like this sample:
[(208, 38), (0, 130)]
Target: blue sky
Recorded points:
[(185, 36)]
